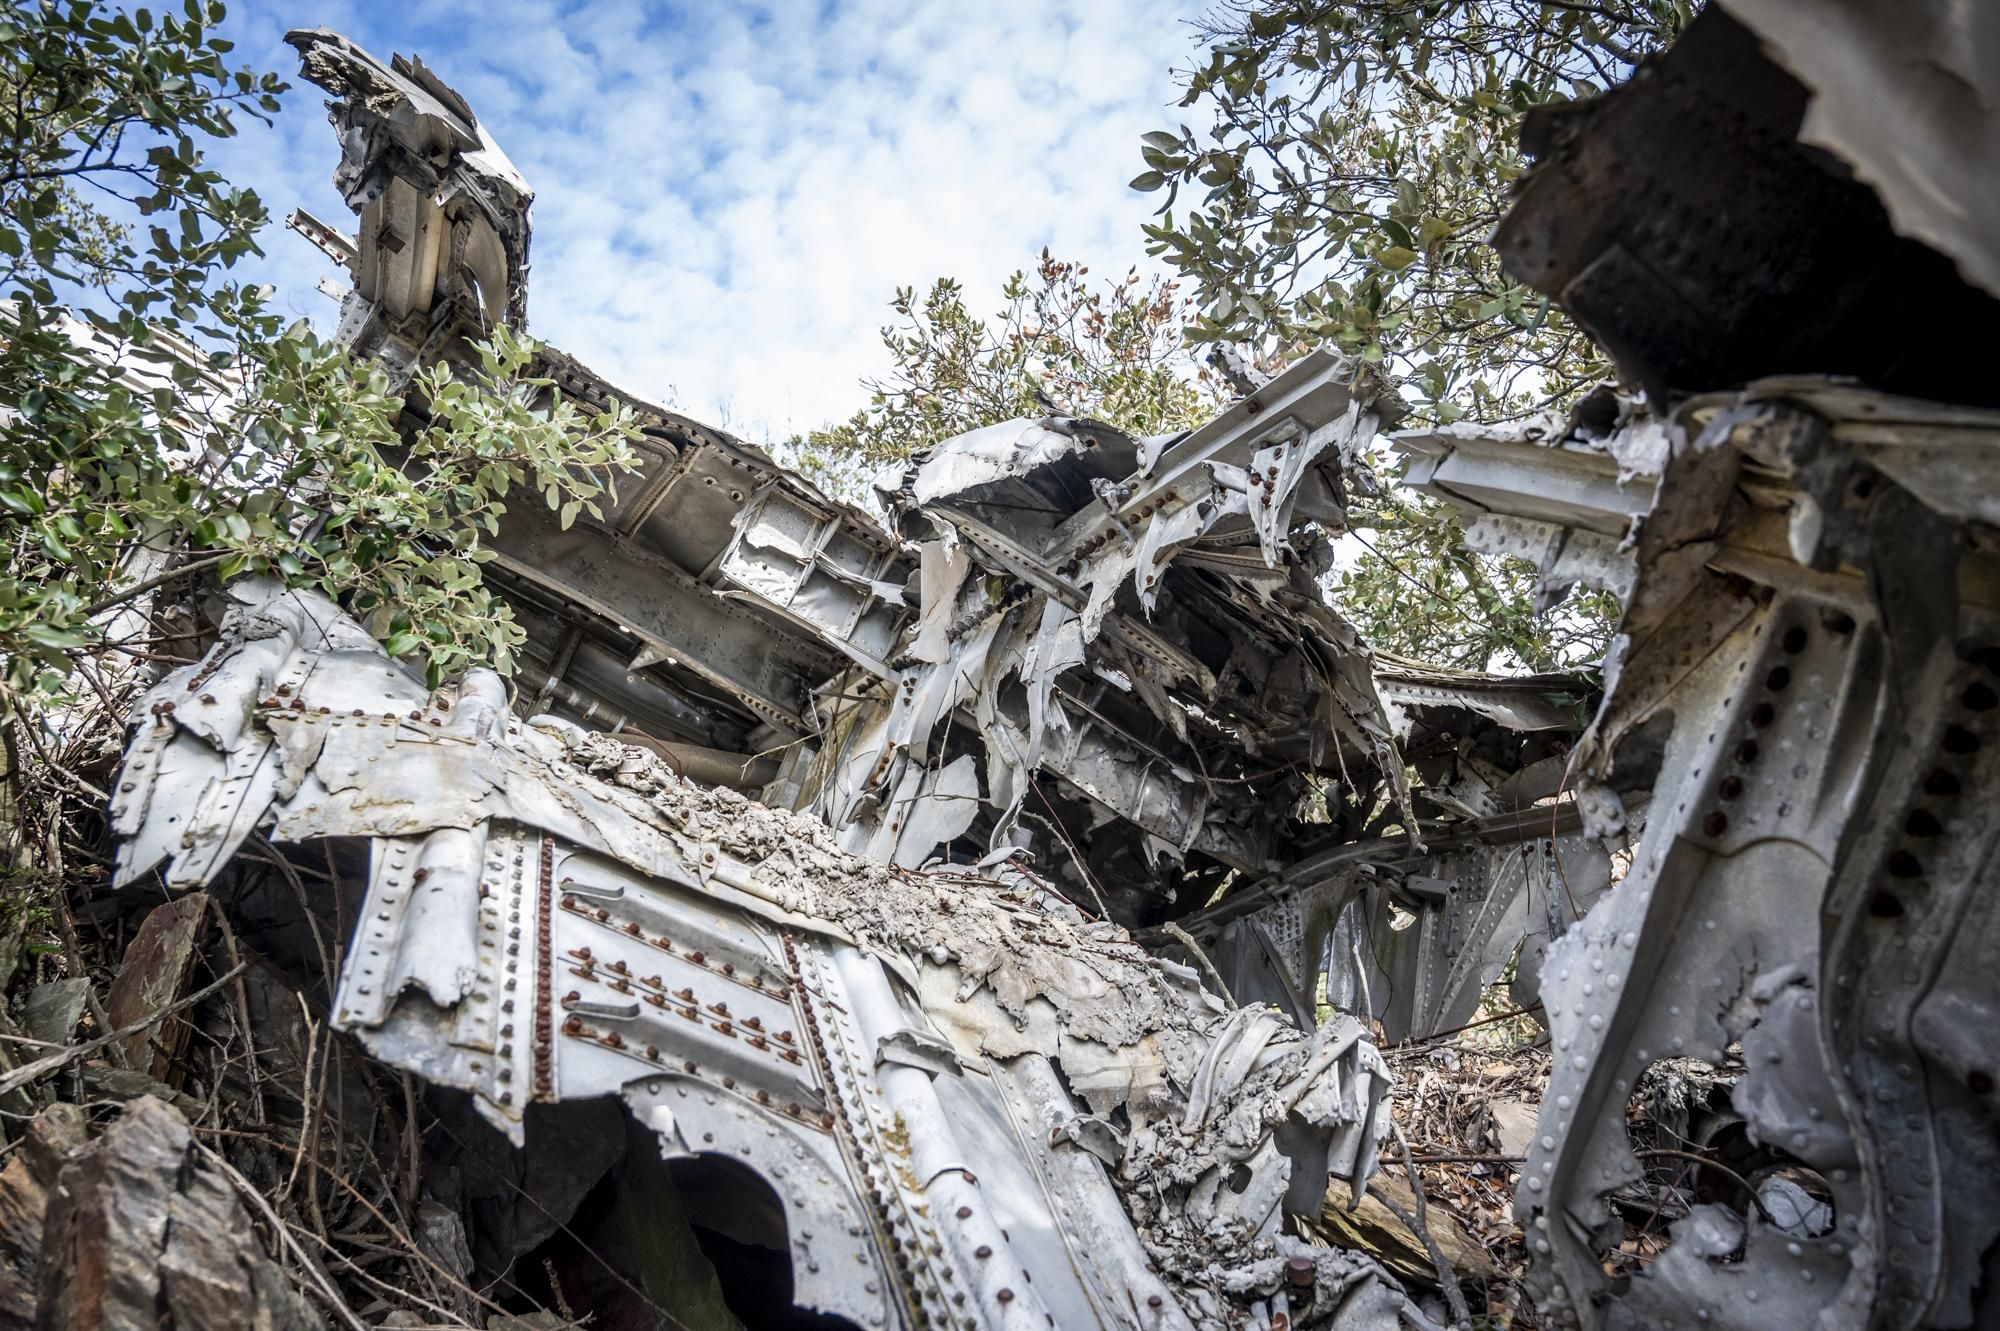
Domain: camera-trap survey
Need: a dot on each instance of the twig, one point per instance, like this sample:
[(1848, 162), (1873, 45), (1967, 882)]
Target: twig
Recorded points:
[(1089, 880), (73, 950), (282, 1232), (1186, 940), (305, 1100), (141, 588), (242, 1009), (409, 1244), (413, 1140), (1470, 1158), (1707, 1163), (1419, 1224), (41, 1067), (1527, 1011)]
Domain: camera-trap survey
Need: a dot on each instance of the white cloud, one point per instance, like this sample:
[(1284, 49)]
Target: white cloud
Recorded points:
[(727, 197)]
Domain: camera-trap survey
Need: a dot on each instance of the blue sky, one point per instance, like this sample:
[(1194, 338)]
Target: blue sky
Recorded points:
[(727, 196)]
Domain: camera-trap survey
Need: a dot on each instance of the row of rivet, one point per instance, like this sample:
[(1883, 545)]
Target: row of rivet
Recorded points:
[(653, 991), (576, 1028), (544, 963), (727, 970), (858, 1150)]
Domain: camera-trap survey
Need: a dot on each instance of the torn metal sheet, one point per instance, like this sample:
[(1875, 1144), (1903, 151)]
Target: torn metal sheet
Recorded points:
[(1807, 658), (1110, 656), (552, 915), (1617, 219), (443, 213), (1107, 526), (1081, 683), (1909, 96)]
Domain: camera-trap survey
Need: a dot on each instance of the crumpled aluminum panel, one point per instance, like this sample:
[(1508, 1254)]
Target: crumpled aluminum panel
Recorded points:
[(923, 1067), (1814, 617)]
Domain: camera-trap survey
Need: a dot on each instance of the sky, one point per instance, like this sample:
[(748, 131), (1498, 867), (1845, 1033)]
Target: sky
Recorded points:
[(728, 196)]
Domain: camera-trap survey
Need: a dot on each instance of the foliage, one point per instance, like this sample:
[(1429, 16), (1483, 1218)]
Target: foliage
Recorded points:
[(167, 418), (1417, 593), (1116, 352), (1110, 350), (1358, 155)]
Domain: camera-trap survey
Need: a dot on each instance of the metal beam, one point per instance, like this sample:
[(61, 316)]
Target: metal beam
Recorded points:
[(654, 599)]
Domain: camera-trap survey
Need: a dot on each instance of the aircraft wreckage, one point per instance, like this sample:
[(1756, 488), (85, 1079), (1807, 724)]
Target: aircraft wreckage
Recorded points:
[(941, 899)]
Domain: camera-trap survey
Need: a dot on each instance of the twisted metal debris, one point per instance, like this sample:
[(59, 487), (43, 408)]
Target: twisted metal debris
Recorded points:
[(968, 783)]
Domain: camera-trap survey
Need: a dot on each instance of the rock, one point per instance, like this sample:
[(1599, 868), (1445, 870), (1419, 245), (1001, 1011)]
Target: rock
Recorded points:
[(152, 975), (106, 1083), (53, 1009), (140, 1235), (24, 1199), (1513, 1125)]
